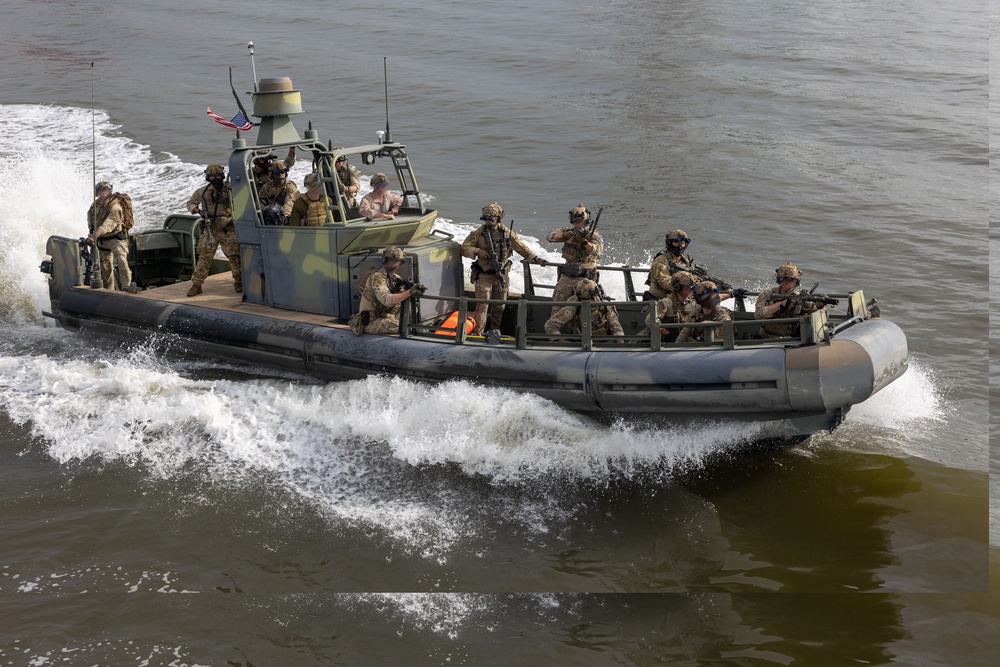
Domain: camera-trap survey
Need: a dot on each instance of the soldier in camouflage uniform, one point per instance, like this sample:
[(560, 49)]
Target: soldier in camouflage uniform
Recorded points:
[(106, 223), (660, 270), (278, 191), (309, 209), (382, 294), (673, 308), (770, 305), (213, 202), (350, 181), (603, 319), (581, 252), (490, 247), (262, 167), (706, 308)]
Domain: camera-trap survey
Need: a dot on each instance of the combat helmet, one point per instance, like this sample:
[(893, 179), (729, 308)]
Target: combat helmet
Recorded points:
[(103, 185), (682, 279), (214, 169), (492, 210), (678, 234), (278, 169), (707, 294), (788, 270), (588, 290), (579, 212), (392, 254)]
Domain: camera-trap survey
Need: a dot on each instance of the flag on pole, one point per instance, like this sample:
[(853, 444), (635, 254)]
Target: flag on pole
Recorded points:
[(238, 122)]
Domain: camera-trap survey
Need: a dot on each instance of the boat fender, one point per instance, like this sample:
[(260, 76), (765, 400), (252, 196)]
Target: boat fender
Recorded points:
[(450, 324)]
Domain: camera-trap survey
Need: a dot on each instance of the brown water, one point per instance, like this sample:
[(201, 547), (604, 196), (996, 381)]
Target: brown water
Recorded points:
[(161, 510)]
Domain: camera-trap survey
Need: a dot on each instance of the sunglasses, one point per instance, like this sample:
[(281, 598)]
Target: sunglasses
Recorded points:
[(489, 218), (578, 216)]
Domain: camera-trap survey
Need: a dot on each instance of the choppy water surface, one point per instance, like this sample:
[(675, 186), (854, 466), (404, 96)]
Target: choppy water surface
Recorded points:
[(159, 509)]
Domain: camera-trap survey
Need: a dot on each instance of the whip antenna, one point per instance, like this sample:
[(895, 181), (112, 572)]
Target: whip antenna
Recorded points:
[(253, 64), (97, 281), (385, 79)]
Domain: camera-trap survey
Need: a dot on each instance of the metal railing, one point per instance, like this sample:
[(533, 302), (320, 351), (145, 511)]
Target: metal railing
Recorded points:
[(815, 327)]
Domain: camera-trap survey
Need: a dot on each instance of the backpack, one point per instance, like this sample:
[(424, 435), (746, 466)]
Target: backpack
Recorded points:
[(128, 217)]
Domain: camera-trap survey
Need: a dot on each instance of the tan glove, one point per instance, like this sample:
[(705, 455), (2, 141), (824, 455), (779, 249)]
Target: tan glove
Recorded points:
[(418, 289)]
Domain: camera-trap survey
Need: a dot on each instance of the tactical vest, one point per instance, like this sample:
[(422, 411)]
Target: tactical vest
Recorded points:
[(369, 297), (316, 213), (576, 253)]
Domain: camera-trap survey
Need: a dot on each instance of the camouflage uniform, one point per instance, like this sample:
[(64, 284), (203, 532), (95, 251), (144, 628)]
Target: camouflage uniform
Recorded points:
[(484, 277), (660, 271), (764, 299), (377, 288), (218, 230), (308, 213), (577, 259), (603, 320), (349, 176), (281, 192), (110, 246), (669, 310), (696, 313)]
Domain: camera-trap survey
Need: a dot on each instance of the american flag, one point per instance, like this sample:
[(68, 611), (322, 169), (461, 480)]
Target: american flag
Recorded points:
[(238, 122)]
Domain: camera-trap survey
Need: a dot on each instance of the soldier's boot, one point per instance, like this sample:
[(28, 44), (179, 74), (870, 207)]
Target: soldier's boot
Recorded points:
[(195, 290), (238, 285)]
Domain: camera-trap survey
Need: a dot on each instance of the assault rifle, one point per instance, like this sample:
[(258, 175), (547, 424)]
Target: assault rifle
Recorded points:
[(803, 296), (495, 260), (206, 226), (88, 260), (580, 236), (701, 272)]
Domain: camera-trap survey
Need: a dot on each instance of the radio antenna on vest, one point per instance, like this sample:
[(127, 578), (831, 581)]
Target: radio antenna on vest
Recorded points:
[(385, 79), (97, 280), (253, 64)]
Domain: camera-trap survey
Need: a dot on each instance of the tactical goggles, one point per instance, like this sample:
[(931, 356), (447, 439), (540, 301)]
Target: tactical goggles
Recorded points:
[(489, 218), (782, 279), (680, 239), (578, 215), (705, 292)]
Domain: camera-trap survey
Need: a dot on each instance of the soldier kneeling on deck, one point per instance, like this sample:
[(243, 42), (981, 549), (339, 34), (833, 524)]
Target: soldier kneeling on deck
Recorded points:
[(603, 319), (706, 308), (382, 294)]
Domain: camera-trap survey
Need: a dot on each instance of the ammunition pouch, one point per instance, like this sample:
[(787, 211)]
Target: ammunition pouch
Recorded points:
[(359, 321), (571, 270)]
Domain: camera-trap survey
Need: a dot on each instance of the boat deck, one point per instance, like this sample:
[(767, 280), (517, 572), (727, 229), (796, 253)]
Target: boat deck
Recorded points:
[(218, 293)]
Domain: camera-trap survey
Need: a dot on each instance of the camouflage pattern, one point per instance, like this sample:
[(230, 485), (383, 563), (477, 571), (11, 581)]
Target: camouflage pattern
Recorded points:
[(671, 309), (765, 299), (493, 209), (603, 320), (574, 251), (377, 289), (477, 247), (308, 213), (660, 271), (219, 231), (696, 313), (112, 249), (349, 176), (281, 191), (788, 270)]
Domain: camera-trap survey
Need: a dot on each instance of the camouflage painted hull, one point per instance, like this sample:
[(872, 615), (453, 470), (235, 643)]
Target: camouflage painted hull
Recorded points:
[(790, 392)]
